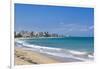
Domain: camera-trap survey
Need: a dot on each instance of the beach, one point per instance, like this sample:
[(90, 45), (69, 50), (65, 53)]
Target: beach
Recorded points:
[(26, 57), (51, 50)]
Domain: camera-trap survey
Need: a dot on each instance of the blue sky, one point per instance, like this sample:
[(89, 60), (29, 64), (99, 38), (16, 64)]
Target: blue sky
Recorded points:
[(73, 21)]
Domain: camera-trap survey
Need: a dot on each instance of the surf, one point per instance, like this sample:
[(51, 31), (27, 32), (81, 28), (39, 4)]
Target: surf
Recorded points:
[(56, 52)]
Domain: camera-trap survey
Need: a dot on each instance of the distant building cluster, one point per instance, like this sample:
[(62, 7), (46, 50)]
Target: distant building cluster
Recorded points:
[(35, 34)]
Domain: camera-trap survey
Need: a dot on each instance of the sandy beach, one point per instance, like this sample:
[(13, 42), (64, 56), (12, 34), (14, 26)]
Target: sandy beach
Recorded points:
[(26, 57)]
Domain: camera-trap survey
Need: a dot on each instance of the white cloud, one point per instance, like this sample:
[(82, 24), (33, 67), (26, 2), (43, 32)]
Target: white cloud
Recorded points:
[(91, 27), (86, 28), (71, 28)]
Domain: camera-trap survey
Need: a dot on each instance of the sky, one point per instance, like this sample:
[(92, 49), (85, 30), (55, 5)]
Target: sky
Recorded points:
[(72, 21)]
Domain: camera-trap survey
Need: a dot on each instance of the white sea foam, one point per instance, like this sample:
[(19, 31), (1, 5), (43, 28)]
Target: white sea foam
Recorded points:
[(19, 41), (58, 52), (77, 52)]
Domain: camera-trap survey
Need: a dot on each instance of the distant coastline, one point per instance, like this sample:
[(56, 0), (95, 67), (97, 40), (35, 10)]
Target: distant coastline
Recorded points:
[(32, 35), (47, 37)]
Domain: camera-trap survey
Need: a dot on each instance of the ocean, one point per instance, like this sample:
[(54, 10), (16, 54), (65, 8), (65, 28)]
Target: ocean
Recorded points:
[(78, 48)]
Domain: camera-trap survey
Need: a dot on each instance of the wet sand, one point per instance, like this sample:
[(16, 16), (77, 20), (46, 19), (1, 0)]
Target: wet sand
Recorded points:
[(26, 57)]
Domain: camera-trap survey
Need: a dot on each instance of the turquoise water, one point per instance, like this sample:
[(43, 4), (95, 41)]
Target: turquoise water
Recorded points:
[(67, 49), (72, 43)]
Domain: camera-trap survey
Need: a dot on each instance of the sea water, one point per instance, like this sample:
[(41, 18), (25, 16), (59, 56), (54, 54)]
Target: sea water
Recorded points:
[(78, 48)]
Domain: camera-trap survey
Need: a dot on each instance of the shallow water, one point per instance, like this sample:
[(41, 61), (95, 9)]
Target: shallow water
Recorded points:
[(77, 48)]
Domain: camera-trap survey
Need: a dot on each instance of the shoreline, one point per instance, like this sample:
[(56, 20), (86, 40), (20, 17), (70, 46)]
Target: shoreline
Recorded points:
[(23, 56), (26, 57)]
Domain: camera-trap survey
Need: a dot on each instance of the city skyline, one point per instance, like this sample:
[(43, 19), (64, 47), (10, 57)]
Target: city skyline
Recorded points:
[(74, 21)]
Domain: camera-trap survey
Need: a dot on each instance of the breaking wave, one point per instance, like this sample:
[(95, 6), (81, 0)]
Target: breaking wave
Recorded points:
[(57, 52)]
